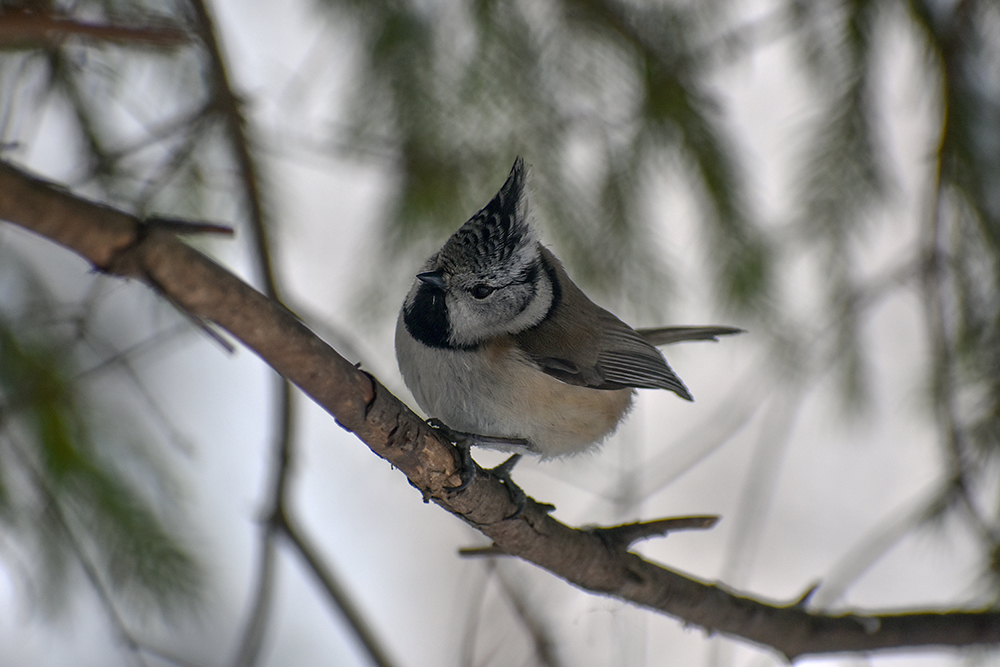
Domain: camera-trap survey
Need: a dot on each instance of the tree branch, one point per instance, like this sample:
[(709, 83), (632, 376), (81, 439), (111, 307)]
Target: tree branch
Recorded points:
[(119, 244), (336, 592), (24, 29), (224, 100)]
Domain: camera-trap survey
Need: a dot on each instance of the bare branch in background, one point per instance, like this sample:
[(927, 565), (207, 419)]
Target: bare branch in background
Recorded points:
[(21, 28)]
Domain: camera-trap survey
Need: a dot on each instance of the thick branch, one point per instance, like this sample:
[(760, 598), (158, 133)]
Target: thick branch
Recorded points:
[(119, 244)]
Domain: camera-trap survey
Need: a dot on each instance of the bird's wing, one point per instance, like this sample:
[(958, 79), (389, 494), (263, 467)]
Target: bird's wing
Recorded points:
[(622, 360), (626, 359), (583, 344)]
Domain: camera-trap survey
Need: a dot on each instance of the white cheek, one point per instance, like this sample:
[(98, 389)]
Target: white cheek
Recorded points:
[(507, 311), (536, 310), (475, 322), (463, 322), (502, 308)]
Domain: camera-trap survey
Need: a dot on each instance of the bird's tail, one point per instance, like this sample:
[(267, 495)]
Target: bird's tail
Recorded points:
[(668, 335)]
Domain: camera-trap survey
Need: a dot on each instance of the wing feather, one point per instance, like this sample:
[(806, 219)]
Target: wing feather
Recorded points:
[(629, 361), (581, 343)]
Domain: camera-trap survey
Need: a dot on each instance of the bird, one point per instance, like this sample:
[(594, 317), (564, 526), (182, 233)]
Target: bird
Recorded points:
[(499, 345)]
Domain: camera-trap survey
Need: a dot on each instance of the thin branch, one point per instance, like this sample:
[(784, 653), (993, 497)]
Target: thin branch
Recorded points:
[(122, 357), (227, 103), (170, 165), (542, 640), (185, 122), (620, 538), (123, 361), (111, 240), (23, 29), (236, 125), (872, 547), (473, 613), (760, 486), (338, 595), (252, 636), (64, 79)]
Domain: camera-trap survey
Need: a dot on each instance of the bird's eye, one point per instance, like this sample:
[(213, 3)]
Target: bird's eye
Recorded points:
[(481, 291)]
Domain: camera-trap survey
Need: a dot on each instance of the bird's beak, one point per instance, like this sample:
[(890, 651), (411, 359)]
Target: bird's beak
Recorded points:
[(433, 278)]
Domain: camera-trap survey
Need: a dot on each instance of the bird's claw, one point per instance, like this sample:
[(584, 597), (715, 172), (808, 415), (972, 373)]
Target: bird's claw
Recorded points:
[(517, 495), (468, 468)]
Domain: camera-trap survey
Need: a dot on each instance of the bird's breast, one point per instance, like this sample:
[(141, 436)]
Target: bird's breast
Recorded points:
[(496, 390)]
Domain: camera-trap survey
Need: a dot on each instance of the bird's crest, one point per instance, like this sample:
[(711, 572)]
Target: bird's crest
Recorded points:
[(494, 236)]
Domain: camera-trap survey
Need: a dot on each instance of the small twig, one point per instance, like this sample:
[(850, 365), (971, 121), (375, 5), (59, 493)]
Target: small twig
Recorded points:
[(623, 536), (337, 594), (803, 600), (253, 633), (33, 29), (121, 357), (159, 132), (252, 637), (230, 107), (475, 552), (542, 640), (180, 157), (180, 226)]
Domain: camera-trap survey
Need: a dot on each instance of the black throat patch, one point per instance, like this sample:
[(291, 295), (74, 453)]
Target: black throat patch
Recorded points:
[(426, 319)]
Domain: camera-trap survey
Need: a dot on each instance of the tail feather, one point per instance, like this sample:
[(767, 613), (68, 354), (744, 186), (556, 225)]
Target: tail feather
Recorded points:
[(668, 335)]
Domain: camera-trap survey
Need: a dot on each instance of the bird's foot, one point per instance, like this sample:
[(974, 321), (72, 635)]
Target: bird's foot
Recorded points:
[(468, 468), (517, 495)]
